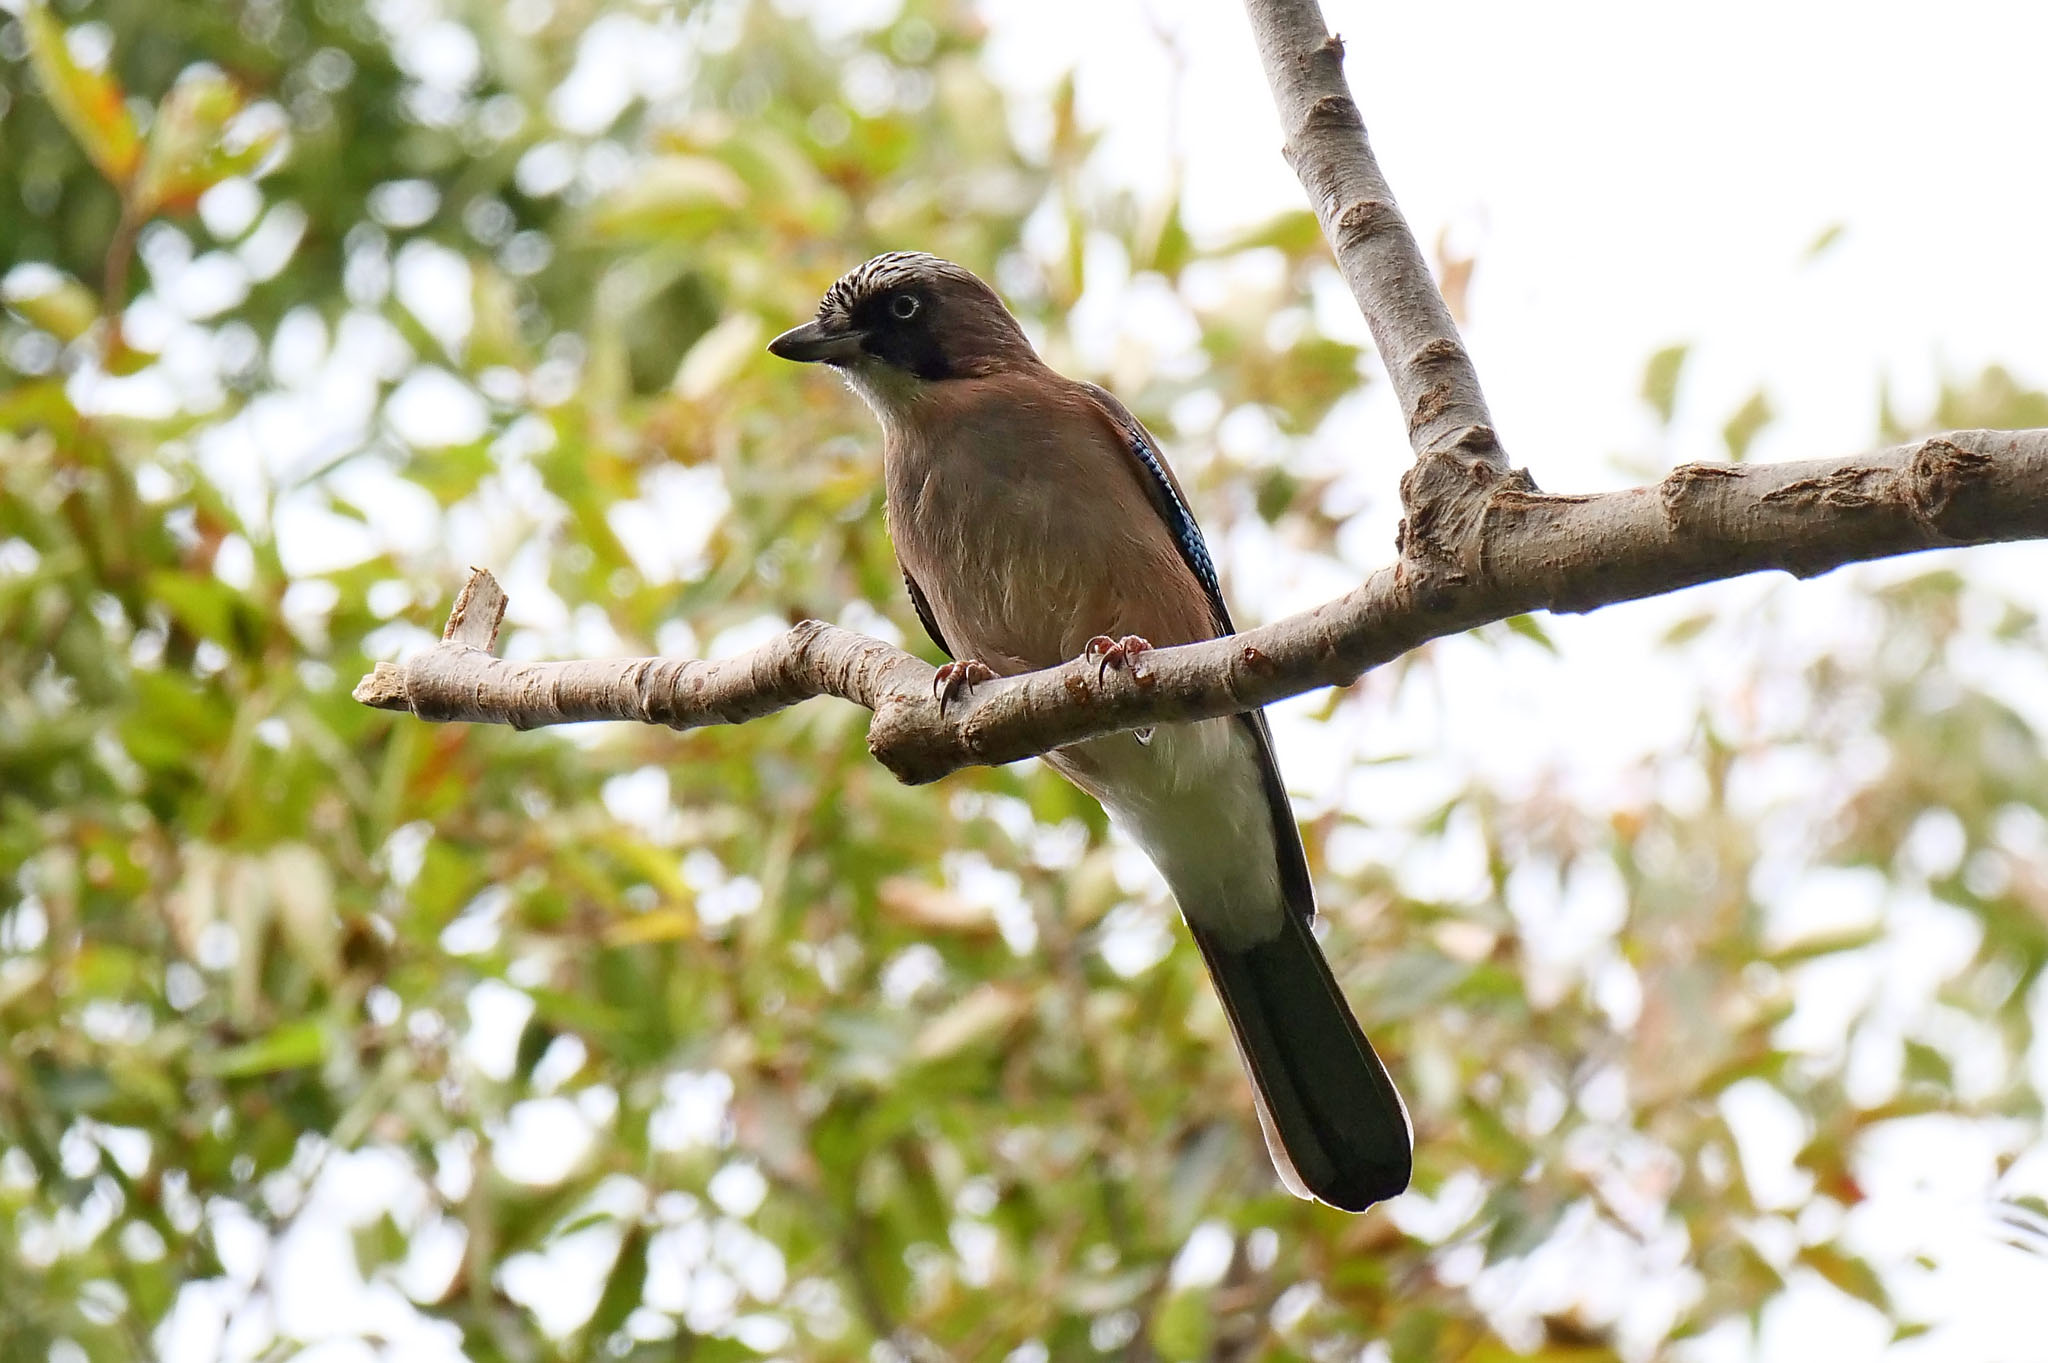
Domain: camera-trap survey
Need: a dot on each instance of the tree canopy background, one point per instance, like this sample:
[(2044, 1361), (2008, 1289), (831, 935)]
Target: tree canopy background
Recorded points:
[(323, 1027)]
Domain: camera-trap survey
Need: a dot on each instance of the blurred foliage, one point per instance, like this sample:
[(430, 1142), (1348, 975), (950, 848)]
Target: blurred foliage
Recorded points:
[(317, 1023)]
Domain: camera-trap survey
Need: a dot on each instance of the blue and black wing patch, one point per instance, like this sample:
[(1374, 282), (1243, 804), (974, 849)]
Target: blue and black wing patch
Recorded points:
[(1186, 533), (1166, 495)]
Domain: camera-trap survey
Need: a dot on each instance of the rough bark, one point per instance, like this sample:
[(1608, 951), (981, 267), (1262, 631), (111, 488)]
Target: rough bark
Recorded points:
[(1458, 459), (1526, 551)]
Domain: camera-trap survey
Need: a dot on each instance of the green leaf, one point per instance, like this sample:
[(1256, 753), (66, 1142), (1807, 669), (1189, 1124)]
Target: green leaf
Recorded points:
[(192, 146), (199, 601), (90, 103), (1848, 1273), (378, 1243), (1183, 1325), (1296, 233), (669, 195), (1660, 380), (1686, 630), (294, 1045), (1825, 944), (988, 1012), (1747, 423), (1277, 489), (1926, 1065), (1820, 245), (1170, 248), (1531, 629), (622, 1287), (1415, 1334), (52, 300)]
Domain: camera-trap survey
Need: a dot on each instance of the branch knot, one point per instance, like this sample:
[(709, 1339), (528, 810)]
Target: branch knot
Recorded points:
[(1359, 221), (1333, 111), (1938, 471)]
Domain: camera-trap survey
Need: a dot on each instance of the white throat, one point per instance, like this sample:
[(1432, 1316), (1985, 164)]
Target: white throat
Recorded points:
[(888, 391)]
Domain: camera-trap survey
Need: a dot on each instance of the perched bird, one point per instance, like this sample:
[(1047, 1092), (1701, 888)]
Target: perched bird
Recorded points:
[(1035, 520)]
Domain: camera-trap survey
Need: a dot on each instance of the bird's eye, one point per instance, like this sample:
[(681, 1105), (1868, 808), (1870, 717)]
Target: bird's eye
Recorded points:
[(903, 306)]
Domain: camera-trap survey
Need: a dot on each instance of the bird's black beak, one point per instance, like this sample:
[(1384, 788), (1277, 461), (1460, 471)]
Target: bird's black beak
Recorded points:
[(832, 342)]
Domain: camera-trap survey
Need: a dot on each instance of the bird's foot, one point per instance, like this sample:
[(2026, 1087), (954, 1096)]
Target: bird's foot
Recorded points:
[(958, 678), (1114, 652)]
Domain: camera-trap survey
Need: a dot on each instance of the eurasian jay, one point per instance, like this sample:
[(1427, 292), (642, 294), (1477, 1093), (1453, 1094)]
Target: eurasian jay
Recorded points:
[(1035, 520)]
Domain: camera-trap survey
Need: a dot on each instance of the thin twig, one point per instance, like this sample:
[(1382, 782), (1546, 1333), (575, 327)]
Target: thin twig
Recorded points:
[(114, 281)]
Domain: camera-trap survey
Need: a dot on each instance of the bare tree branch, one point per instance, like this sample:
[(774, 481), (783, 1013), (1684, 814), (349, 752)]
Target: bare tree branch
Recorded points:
[(1479, 543), (1377, 254), (1458, 459), (1527, 551)]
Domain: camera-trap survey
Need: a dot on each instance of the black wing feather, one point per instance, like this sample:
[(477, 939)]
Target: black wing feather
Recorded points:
[(924, 614)]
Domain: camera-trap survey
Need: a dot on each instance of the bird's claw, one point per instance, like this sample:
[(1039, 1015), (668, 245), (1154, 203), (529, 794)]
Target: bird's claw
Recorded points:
[(1110, 652), (954, 678)]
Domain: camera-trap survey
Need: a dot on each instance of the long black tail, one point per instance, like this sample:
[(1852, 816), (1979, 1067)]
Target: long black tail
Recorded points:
[(1334, 1123)]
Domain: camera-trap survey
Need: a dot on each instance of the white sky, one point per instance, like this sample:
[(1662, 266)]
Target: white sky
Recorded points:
[(1629, 175)]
